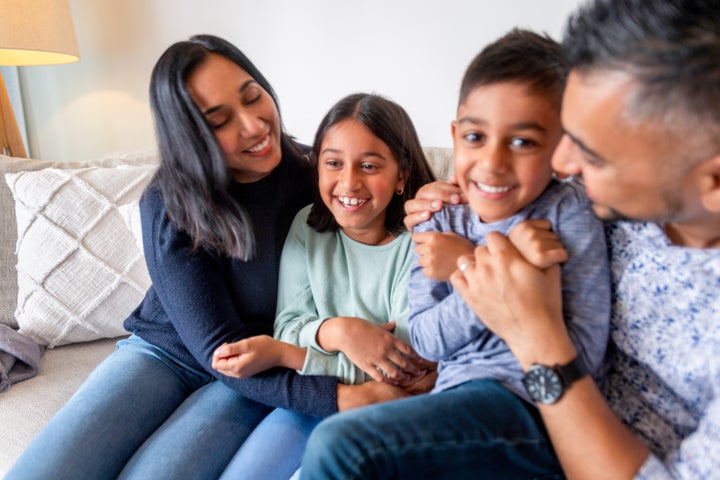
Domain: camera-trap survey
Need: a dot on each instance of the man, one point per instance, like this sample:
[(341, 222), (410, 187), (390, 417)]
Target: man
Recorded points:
[(641, 112)]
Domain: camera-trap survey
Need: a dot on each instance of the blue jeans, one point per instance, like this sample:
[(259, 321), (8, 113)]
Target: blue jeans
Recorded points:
[(476, 430), (274, 449), (142, 414)]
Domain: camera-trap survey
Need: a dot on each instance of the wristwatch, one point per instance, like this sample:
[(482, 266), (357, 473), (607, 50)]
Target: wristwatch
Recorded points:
[(547, 384)]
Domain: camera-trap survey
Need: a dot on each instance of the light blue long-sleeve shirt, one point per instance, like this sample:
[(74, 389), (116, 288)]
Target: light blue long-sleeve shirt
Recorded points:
[(444, 328)]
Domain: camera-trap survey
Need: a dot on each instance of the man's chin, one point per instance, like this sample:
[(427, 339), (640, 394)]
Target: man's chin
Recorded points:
[(608, 214)]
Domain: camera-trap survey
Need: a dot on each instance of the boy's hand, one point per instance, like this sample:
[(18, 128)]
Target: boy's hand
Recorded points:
[(252, 355), (536, 241), (438, 253), (430, 199)]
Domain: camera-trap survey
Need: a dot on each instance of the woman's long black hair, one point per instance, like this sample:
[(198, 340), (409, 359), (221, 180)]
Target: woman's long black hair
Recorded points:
[(193, 176), (390, 123)]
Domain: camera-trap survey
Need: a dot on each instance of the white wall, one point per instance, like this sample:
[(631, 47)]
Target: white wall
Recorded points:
[(312, 51)]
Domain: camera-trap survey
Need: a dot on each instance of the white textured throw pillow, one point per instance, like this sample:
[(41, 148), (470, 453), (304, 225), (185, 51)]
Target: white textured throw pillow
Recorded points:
[(80, 271)]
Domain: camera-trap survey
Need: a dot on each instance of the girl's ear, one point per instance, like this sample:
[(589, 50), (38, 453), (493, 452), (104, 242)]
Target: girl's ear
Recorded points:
[(400, 185)]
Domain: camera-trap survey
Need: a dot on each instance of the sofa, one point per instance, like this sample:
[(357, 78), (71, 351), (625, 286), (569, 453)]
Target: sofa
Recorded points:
[(71, 270)]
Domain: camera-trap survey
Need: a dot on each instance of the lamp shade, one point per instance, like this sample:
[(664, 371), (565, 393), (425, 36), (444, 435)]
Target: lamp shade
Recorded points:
[(36, 32)]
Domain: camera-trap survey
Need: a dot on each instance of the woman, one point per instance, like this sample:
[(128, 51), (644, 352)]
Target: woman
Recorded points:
[(214, 222)]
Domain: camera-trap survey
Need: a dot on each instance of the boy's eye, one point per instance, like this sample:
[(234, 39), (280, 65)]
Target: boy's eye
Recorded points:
[(520, 142), (474, 137)]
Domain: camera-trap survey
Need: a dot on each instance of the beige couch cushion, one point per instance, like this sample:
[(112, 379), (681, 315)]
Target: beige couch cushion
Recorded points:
[(8, 226)]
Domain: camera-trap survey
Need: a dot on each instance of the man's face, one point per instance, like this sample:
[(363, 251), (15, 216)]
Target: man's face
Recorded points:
[(627, 169)]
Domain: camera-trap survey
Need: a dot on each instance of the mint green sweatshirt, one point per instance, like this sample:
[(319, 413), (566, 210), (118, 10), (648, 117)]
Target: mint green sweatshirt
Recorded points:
[(324, 275)]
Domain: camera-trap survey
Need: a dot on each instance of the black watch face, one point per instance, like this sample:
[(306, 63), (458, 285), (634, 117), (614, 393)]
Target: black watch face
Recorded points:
[(543, 384)]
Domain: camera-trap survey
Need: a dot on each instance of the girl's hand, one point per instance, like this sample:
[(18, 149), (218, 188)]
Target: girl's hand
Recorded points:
[(252, 355), (438, 253), (429, 199), (536, 241), (355, 396), (372, 348)]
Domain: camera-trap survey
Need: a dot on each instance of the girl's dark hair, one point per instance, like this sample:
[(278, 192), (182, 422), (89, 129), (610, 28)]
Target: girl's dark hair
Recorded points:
[(193, 176), (390, 123), (519, 56)]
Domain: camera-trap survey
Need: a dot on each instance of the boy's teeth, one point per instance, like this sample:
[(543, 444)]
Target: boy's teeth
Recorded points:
[(491, 189), (260, 146)]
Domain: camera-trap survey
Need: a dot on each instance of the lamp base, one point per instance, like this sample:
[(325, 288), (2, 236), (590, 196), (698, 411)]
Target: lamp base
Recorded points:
[(11, 142)]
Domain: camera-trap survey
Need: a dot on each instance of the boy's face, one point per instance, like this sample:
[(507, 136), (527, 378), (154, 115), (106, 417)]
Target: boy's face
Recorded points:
[(504, 138)]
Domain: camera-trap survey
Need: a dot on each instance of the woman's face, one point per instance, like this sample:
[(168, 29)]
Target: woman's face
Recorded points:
[(242, 115)]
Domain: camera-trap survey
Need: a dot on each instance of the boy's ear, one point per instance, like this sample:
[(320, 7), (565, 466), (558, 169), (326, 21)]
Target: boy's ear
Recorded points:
[(453, 124), (710, 184)]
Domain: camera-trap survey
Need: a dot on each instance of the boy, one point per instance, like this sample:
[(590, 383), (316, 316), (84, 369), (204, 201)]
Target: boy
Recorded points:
[(507, 127)]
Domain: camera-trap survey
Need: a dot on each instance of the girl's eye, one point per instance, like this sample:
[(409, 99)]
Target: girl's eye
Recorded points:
[(332, 163), (369, 166)]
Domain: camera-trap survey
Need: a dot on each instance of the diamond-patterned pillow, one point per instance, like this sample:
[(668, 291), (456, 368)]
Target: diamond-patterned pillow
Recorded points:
[(80, 271)]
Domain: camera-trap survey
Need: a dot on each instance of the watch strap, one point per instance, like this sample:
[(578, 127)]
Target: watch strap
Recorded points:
[(571, 372)]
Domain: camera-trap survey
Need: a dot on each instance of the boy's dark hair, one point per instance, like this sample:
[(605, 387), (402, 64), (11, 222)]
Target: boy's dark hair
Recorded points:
[(193, 176), (520, 56), (390, 123), (670, 47)]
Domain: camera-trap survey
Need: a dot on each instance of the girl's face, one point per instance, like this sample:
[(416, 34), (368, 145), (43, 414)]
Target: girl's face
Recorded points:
[(358, 177), (242, 115)]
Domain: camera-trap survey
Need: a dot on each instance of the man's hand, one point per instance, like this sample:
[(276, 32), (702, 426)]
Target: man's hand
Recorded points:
[(519, 302)]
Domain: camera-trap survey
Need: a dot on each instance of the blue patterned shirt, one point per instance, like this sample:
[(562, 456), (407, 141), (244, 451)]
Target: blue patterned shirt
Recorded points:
[(665, 347)]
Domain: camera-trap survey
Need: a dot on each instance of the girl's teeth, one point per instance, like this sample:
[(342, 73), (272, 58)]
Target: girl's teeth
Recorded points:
[(351, 201)]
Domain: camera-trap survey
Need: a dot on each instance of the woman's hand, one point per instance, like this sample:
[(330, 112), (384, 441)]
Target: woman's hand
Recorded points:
[(372, 348), (430, 199), (355, 396), (252, 355), (536, 241), (438, 253)]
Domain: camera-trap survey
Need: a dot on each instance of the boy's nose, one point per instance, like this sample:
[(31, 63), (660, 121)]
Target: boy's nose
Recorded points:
[(493, 158)]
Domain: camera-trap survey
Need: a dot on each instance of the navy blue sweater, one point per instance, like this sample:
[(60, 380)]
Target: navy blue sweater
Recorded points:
[(201, 300)]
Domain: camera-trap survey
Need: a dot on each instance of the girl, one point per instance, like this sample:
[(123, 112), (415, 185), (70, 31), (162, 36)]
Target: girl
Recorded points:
[(343, 276)]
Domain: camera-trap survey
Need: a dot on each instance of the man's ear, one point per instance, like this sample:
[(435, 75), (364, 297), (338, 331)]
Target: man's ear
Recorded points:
[(710, 184)]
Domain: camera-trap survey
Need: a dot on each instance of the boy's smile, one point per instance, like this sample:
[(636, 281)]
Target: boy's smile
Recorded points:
[(504, 138)]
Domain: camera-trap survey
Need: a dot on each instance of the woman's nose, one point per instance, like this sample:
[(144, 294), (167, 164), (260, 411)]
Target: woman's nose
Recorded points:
[(250, 125)]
